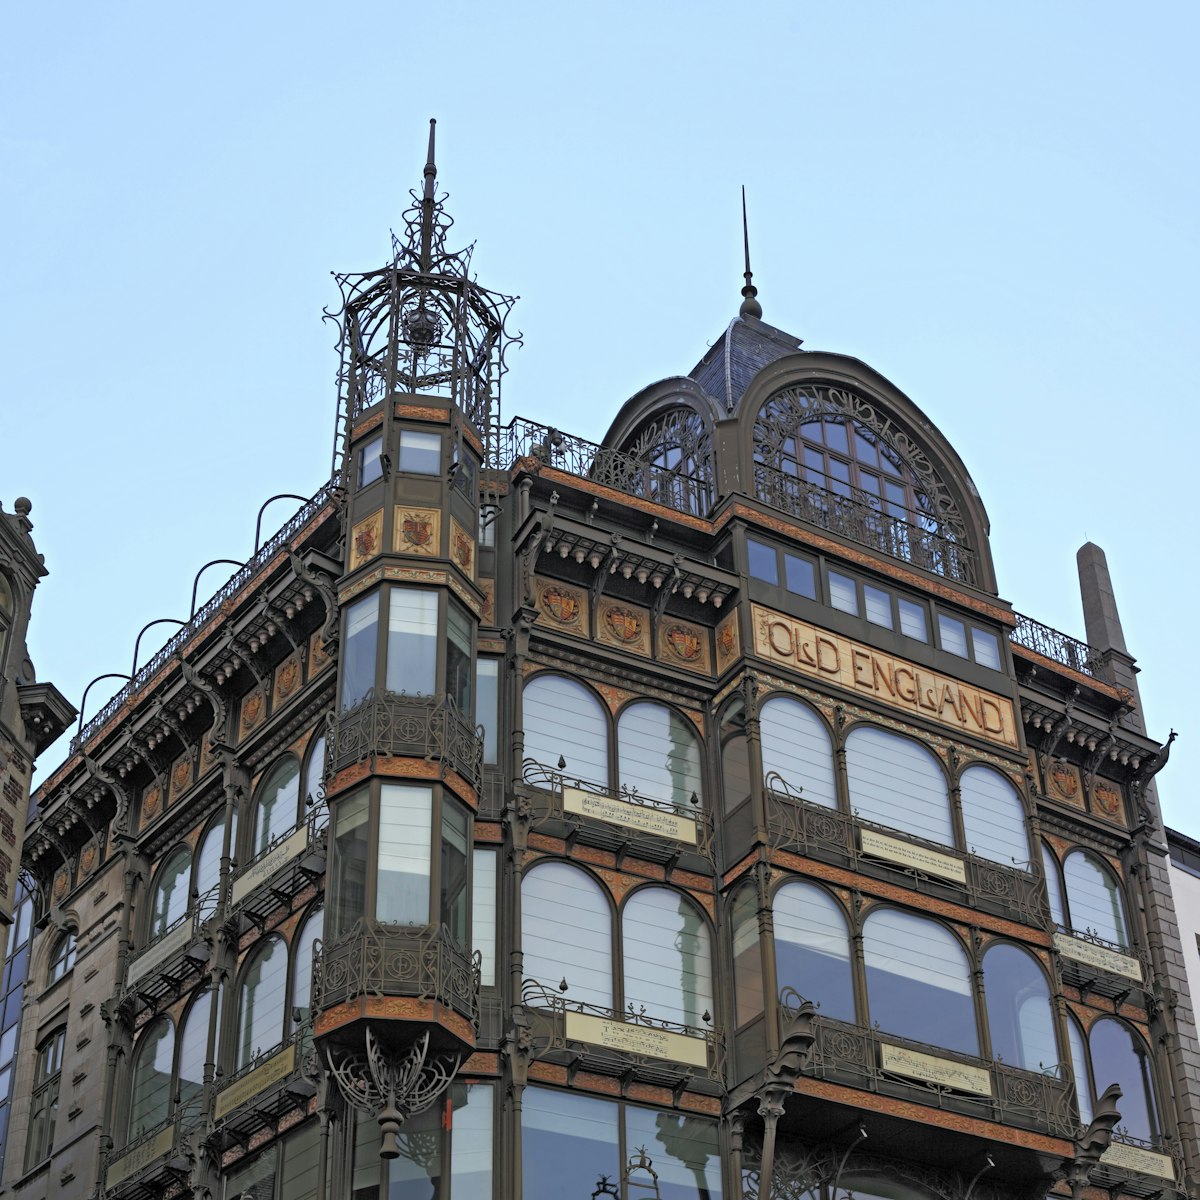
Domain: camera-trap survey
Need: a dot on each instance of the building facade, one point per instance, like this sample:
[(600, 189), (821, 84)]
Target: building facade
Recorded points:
[(679, 816)]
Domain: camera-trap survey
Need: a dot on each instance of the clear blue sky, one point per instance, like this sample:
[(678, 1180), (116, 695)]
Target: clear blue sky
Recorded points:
[(992, 204)]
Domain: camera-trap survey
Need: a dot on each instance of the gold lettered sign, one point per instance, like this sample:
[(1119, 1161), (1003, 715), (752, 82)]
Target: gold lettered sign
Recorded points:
[(633, 816), (262, 870), (928, 1068), (1098, 956), (278, 1066), (163, 949), (919, 858), (1134, 1158), (141, 1156), (636, 1039), (893, 681)]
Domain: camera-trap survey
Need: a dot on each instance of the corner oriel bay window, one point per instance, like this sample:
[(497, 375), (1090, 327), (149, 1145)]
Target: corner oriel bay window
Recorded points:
[(400, 856)]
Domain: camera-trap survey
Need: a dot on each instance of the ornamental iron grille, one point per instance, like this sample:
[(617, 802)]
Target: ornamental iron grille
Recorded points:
[(421, 324), (677, 451), (827, 456)]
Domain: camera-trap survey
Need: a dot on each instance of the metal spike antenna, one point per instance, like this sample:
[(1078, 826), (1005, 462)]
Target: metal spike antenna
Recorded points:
[(750, 305), (428, 203)]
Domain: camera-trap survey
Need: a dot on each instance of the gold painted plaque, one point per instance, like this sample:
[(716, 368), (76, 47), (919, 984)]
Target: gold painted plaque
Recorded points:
[(417, 531), (928, 1068), (633, 816), (1134, 1158), (278, 1066), (462, 548), (637, 1039), (262, 870), (920, 858), (129, 1164), (366, 539), (626, 626), (564, 606), (893, 681), (1098, 956), (728, 643), (682, 644)]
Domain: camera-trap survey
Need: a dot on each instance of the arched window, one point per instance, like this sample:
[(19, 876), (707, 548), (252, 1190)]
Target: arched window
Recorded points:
[(208, 864), (1020, 1019), (747, 955), (564, 719), (667, 957), (193, 1051), (659, 754), (276, 805), (261, 1003), (1120, 1056), (994, 817), (313, 779), (169, 896), (895, 781), (150, 1092), (1054, 895), (919, 980), (566, 932), (62, 957), (1094, 899), (812, 948), (43, 1103), (678, 472), (795, 746), (302, 956), (1079, 1069)]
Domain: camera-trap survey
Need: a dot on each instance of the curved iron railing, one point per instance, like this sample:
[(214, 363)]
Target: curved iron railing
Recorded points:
[(391, 723), (376, 959), (1057, 646), (182, 636)]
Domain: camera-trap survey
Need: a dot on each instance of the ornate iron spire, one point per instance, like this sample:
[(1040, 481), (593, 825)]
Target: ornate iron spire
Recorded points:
[(427, 200), (750, 305)]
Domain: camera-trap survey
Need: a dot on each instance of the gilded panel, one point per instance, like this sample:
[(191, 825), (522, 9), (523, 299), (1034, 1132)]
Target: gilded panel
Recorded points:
[(625, 626), (728, 642), (366, 539), (564, 606), (288, 677), (462, 548), (253, 710), (417, 531), (682, 644)]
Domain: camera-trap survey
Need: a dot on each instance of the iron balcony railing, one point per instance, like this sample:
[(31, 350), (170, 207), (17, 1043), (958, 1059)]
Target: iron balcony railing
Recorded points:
[(278, 873), (626, 473), (394, 724), (171, 957), (799, 826), (183, 636), (855, 1056), (858, 517), (376, 959), (1057, 646)]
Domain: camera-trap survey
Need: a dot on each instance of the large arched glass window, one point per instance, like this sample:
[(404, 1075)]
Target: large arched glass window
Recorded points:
[(302, 956), (193, 1051), (1020, 1019), (564, 719), (150, 1091), (812, 948), (795, 746), (261, 1002), (678, 465), (169, 896), (994, 817), (1079, 1069), (566, 932), (1094, 899), (668, 957), (659, 754), (1120, 1056), (919, 980), (1054, 895), (747, 954), (276, 805), (895, 781), (208, 864)]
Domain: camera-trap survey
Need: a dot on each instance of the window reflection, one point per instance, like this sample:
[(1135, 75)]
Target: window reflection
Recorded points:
[(994, 817), (667, 957), (1020, 1020), (895, 781), (1094, 899), (812, 948), (796, 747), (402, 881), (659, 754)]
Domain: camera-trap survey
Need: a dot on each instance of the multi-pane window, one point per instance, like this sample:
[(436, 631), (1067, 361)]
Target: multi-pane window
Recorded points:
[(359, 641), (402, 879), (412, 642), (302, 966), (43, 1104), (289, 1170), (487, 704), (1094, 905), (1020, 1018), (150, 1090), (895, 781), (208, 864), (193, 1051), (965, 641), (796, 751), (812, 948), (994, 817), (1118, 1055), (62, 957), (483, 912), (459, 662)]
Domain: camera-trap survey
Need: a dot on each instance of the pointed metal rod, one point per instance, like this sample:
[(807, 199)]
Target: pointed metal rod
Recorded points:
[(427, 201), (750, 305)]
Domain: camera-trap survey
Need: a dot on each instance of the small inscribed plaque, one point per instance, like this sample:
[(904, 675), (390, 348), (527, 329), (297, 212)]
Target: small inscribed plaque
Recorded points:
[(633, 816), (1098, 956), (637, 1039), (928, 1068), (278, 1066), (129, 1164), (1134, 1158), (919, 858)]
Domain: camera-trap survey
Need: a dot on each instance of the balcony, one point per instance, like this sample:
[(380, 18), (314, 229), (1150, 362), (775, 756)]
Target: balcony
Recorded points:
[(156, 1162), (873, 1061), (832, 836), (1092, 964), (628, 1045), (1058, 647), (858, 518), (395, 725), (170, 965), (1138, 1168), (273, 1083), (653, 830), (376, 960), (276, 877)]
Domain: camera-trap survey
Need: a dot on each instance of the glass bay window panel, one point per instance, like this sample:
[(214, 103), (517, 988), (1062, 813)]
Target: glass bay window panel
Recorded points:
[(403, 866), (455, 877), (483, 912), (359, 640), (347, 887), (668, 957), (412, 642), (458, 659), (487, 704)]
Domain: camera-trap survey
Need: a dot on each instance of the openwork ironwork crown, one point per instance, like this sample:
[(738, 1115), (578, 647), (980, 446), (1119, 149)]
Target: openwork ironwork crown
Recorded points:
[(422, 323)]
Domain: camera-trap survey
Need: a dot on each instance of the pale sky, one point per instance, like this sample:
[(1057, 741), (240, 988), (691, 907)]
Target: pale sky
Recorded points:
[(994, 205)]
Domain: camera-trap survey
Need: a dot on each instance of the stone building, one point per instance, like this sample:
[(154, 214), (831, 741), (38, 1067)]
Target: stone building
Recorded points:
[(680, 816)]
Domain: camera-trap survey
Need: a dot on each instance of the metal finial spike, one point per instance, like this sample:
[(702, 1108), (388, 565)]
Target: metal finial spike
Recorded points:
[(428, 202), (750, 305)]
